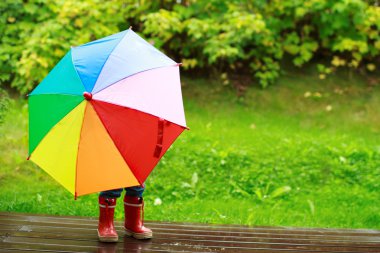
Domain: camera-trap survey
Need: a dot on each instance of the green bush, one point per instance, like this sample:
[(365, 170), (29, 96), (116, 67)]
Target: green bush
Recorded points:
[(36, 34), (225, 37), (4, 102), (254, 36)]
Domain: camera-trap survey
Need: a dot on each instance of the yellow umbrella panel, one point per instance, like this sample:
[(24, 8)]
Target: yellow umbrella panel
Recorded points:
[(80, 155)]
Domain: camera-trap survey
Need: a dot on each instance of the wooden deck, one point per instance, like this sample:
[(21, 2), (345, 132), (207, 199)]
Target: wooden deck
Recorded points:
[(38, 233)]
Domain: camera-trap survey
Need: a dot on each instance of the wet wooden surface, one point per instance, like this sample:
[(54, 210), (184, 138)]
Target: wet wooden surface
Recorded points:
[(41, 233)]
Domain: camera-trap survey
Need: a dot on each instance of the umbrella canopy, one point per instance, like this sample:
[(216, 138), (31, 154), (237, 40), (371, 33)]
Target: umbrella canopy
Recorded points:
[(106, 114)]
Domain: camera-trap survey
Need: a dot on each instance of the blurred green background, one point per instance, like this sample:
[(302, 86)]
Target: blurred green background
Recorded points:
[(281, 97)]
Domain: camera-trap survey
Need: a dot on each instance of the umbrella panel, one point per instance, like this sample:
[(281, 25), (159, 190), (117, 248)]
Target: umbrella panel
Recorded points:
[(45, 111), (131, 56), (63, 79), (57, 151), (135, 134), (155, 91), (88, 66), (100, 166)]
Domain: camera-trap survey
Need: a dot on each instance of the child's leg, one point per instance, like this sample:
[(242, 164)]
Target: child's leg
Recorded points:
[(135, 191), (116, 193), (134, 213), (107, 204)]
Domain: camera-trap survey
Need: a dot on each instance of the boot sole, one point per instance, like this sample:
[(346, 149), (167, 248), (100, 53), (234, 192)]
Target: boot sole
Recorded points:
[(107, 239), (139, 236)]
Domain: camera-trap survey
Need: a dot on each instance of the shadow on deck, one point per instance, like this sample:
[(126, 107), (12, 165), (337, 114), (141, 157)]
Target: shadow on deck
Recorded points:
[(41, 233)]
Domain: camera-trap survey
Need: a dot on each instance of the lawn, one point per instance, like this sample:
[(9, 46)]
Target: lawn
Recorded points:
[(304, 152)]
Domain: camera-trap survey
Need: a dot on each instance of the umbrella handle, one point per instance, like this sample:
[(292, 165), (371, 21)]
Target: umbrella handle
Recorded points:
[(160, 138)]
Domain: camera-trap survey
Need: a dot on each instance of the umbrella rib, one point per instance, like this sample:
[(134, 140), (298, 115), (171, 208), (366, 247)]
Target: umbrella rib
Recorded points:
[(76, 71), (64, 94), (76, 162), (131, 108)]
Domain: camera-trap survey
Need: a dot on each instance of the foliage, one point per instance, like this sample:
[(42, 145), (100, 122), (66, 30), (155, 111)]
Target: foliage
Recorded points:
[(221, 36), (261, 161), (36, 34), (4, 103), (256, 35), (225, 37)]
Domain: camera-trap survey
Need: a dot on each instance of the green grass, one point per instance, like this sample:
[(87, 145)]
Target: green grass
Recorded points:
[(303, 153)]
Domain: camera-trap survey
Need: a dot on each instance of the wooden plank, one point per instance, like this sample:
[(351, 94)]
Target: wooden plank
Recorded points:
[(188, 229), (30, 251), (72, 232), (64, 245), (91, 235), (93, 221), (167, 241), (28, 226), (40, 231), (66, 234)]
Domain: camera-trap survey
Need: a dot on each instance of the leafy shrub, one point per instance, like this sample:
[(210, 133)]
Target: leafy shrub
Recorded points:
[(36, 34), (218, 36), (230, 38), (4, 103), (254, 36)]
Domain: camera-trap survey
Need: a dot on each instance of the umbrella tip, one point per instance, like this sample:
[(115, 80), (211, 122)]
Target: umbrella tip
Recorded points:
[(130, 28), (87, 95), (179, 64)]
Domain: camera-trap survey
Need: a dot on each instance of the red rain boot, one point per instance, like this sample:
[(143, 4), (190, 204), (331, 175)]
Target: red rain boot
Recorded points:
[(106, 229), (134, 226)]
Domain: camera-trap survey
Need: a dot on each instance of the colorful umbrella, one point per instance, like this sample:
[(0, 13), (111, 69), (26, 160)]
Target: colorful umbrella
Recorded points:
[(106, 114)]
